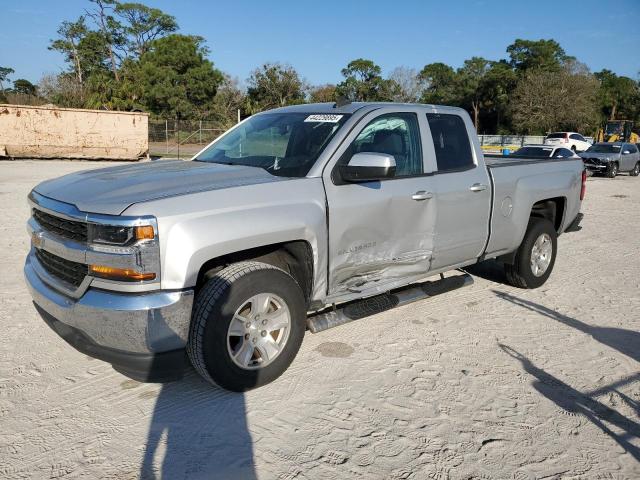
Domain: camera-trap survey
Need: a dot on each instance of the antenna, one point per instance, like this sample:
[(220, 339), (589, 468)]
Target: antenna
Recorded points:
[(341, 102)]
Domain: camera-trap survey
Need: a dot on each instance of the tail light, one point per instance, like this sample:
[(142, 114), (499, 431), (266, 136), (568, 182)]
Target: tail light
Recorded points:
[(583, 189), (566, 138)]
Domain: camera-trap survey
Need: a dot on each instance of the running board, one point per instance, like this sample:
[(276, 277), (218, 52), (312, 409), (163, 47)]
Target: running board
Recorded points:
[(380, 303)]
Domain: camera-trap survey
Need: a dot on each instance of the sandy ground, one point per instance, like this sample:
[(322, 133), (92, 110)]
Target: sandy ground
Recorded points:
[(486, 382)]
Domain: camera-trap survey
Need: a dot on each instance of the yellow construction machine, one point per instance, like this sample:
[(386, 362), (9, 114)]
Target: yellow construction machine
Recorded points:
[(618, 131)]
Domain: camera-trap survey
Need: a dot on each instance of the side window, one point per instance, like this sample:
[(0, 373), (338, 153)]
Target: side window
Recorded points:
[(632, 148), (451, 142), (563, 153), (575, 136), (395, 134)]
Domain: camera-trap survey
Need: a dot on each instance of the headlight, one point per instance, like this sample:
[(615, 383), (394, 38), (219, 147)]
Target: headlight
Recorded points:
[(123, 253), (118, 235)]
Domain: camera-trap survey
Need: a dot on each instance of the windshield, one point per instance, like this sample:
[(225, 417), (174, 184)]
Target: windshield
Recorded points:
[(604, 148), (284, 144), (534, 151), (613, 127)]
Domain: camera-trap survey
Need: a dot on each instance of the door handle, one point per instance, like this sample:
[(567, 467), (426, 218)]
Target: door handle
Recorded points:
[(422, 195), (477, 187)]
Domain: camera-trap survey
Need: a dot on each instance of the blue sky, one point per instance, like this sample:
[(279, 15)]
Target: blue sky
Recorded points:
[(320, 37)]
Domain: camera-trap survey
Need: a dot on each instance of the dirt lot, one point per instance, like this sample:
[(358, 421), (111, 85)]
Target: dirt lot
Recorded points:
[(486, 382)]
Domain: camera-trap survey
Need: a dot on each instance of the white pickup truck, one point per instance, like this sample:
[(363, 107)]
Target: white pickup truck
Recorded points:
[(223, 258)]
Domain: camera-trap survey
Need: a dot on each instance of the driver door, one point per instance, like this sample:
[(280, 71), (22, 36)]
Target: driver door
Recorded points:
[(381, 232)]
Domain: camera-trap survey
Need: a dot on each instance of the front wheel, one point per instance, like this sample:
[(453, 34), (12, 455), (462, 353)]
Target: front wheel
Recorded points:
[(636, 170), (535, 257), (248, 324), (612, 171)]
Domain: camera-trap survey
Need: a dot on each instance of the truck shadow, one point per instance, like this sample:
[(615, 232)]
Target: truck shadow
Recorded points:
[(198, 431), (624, 341), (491, 270), (576, 402)]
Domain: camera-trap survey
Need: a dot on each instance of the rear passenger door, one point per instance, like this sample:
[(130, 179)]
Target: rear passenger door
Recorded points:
[(463, 192)]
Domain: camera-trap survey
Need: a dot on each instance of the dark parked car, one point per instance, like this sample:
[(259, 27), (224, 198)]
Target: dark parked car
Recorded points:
[(544, 151)]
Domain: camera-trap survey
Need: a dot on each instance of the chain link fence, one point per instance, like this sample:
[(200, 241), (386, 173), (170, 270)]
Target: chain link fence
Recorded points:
[(498, 143), (184, 138), (181, 138)]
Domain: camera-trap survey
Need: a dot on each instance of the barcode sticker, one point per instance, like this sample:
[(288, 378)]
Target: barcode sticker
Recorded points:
[(323, 118)]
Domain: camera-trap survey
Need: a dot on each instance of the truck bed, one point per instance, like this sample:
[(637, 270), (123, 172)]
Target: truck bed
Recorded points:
[(518, 187), (494, 161)]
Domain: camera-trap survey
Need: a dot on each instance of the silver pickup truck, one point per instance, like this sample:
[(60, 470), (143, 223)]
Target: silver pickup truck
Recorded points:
[(290, 212)]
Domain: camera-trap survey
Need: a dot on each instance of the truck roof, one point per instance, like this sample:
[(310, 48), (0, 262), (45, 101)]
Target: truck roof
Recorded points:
[(331, 107)]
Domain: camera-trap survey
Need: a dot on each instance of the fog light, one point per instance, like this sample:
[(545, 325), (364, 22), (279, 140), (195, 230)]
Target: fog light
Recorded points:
[(121, 274)]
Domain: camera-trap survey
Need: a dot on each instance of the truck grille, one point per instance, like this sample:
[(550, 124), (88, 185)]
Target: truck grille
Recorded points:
[(71, 229), (70, 272)]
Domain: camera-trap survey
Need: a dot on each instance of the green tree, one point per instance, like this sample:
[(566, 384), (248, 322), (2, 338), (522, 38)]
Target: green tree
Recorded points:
[(4, 75), (144, 24), (617, 96), (110, 29), (555, 100), (499, 82), (228, 100), (440, 84), (543, 54), (70, 35), (172, 78), (363, 83), (472, 86), (24, 87), (322, 94), (274, 85)]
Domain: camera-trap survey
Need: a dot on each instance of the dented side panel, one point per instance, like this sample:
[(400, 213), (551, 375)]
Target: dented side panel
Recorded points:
[(378, 233)]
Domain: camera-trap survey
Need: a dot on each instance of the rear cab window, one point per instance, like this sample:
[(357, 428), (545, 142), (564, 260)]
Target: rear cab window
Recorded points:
[(451, 142)]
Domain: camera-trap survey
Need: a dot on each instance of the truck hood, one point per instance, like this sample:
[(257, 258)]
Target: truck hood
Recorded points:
[(112, 190), (599, 156)]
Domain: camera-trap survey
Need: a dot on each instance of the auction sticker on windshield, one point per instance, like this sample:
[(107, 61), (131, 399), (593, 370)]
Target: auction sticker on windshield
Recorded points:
[(323, 118)]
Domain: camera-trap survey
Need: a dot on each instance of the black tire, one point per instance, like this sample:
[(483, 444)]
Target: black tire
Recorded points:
[(214, 309), (573, 148), (520, 274), (636, 170), (612, 171)]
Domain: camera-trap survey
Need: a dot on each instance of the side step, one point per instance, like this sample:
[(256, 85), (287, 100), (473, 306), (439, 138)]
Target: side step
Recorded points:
[(380, 303)]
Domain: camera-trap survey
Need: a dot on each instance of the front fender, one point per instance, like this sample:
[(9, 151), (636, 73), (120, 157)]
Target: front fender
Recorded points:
[(200, 227)]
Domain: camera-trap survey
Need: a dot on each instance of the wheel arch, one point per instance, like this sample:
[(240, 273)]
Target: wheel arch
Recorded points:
[(294, 257), (553, 209)]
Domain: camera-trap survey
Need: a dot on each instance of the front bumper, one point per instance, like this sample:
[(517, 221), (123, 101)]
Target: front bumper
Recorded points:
[(596, 167), (142, 335), (575, 226)]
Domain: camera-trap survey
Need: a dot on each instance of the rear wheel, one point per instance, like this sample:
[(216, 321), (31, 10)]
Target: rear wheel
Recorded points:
[(636, 170), (248, 323), (535, 257), (612, 171)]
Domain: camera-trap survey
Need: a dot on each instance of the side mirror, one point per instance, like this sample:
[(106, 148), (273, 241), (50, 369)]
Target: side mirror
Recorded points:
[(367, 167)]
